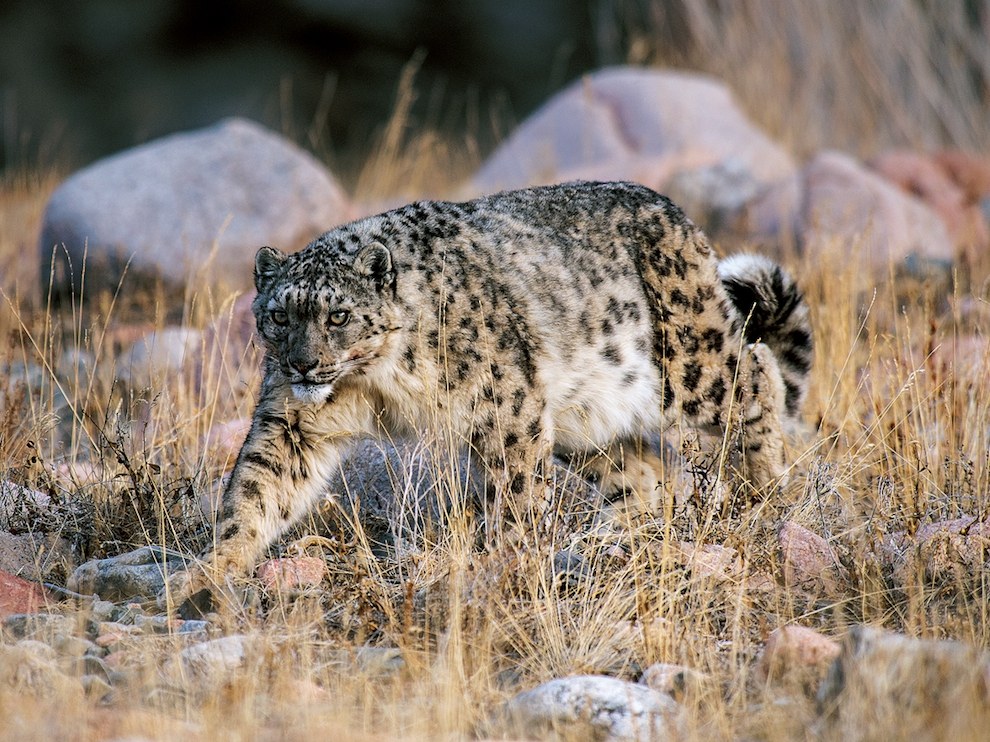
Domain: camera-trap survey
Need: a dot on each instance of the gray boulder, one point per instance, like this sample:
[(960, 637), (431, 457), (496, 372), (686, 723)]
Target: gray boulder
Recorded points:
[(136, 574), (680, 133), (196, 204)]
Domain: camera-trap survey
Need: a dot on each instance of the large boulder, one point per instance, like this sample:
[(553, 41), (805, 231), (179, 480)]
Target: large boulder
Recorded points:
[(952, 184), (197, 204), (673, 131), (835, 201)]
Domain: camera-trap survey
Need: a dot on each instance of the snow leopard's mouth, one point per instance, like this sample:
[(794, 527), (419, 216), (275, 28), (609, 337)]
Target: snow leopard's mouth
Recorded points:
[(318, 385), (312, 391)]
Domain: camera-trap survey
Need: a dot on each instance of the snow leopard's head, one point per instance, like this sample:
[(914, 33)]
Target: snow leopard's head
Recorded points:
[(325, 313)]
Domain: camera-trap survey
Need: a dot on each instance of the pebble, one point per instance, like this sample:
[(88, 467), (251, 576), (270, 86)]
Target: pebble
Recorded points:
[(796, 657), (214, 658), (38, 625), (810, 563)]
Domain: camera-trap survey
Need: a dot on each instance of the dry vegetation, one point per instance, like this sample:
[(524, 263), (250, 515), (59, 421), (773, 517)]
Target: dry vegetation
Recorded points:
[(898, 427)]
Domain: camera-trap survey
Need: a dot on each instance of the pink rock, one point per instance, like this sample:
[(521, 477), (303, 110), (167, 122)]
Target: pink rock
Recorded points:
[(20, 596), (637, 124), (969, 171), (235, 325), (945, 550), (291, 572), (121, 335), (713, 560), (925, 177), (810, 564), (845, 200), (231, 357), (796, 655)]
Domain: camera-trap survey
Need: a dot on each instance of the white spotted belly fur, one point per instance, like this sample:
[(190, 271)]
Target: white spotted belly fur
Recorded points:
[(592, 402)]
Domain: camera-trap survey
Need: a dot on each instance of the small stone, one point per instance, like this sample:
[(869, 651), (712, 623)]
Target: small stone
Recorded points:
[(376, 662), (74, 647), (95, 686), (20, 596), (192, 626), (289, 573), (712, 561), (217, 657), (569, 570), (796, 657), (109, 633), (101, 610), (156, 624), (39, 625), (593, 707), (380, 661), (120, 660), (941, 552), (810, 564)]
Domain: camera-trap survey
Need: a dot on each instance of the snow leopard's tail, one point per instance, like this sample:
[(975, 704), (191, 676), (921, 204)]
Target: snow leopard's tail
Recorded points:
[(775, 313)]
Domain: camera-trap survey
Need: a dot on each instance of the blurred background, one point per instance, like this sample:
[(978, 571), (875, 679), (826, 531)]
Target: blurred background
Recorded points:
[(82, 78)]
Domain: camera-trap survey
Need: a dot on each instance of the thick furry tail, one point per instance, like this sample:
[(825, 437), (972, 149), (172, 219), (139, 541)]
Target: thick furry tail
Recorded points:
[(774, 312)]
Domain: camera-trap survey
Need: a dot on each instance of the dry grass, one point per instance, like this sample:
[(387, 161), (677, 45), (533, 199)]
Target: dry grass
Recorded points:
[(856, 76), (897, 437)]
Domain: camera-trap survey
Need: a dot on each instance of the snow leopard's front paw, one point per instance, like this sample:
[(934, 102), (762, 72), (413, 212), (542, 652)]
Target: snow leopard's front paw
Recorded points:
[(189, 593)]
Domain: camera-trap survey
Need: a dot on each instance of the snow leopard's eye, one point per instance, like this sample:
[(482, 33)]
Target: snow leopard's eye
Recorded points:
[(339, 318), (280, 317)]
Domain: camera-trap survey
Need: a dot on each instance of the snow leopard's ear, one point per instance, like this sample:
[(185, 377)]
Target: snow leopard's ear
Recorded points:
[(375, 261), (267, 266)]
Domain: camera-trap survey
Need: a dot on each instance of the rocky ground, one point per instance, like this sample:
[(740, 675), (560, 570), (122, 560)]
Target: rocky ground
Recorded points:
[(852, 605)]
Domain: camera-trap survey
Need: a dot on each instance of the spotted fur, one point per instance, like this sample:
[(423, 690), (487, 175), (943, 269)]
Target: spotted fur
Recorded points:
[(576, 317)]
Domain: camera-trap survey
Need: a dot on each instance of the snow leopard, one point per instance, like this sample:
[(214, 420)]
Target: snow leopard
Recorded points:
[(579, 317)]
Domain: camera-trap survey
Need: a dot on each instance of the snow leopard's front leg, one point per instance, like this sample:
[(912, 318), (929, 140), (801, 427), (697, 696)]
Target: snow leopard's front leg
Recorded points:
[(290, 453), (516, 449)]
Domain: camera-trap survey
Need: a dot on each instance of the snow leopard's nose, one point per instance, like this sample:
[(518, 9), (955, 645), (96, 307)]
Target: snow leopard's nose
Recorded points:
[(302, 365)]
